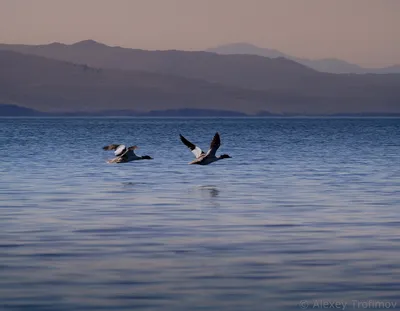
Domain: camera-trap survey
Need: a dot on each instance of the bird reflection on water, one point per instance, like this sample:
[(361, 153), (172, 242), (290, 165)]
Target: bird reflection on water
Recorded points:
[(202, 196), (211, 190)]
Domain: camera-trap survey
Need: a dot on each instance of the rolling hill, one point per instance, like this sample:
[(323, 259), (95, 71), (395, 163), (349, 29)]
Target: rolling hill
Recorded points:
[(55, 86), (331, 65)]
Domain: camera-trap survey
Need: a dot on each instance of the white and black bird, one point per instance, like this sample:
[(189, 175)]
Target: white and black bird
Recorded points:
[(125, 154), (205, 158)]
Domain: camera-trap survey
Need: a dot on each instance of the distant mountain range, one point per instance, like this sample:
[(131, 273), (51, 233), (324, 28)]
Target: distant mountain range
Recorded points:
[(244, 71), (7, 110), (331, 65), (90, 77), (55, 86), (18, 111)]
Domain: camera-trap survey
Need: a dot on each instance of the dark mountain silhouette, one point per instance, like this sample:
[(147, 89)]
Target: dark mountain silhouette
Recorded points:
[(7, 110), (331, 65), (193, 80)]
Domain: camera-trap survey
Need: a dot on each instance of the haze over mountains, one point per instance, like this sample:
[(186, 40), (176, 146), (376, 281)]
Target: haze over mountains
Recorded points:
[(331, 65), (91, 77)]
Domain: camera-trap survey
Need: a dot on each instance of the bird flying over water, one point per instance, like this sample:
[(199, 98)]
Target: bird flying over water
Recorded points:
[(125, 154), (205, 158)]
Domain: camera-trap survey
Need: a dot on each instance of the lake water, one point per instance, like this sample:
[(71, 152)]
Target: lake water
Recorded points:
[(305, 210)]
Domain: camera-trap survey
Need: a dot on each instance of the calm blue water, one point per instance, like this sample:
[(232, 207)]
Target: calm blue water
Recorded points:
[(306, 209)]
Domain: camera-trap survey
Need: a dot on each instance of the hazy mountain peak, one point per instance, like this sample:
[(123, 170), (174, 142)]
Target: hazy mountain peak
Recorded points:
[(88, 43), (332, 65), (56, 44), (246, 48)]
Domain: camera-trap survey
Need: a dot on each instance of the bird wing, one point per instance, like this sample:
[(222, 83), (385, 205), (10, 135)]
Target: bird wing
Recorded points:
[(111, 147), (193, 148), (215, 143), (133, 148), (116, 160)]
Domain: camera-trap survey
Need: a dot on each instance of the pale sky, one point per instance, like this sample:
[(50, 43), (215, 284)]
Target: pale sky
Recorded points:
[(366, 32)]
